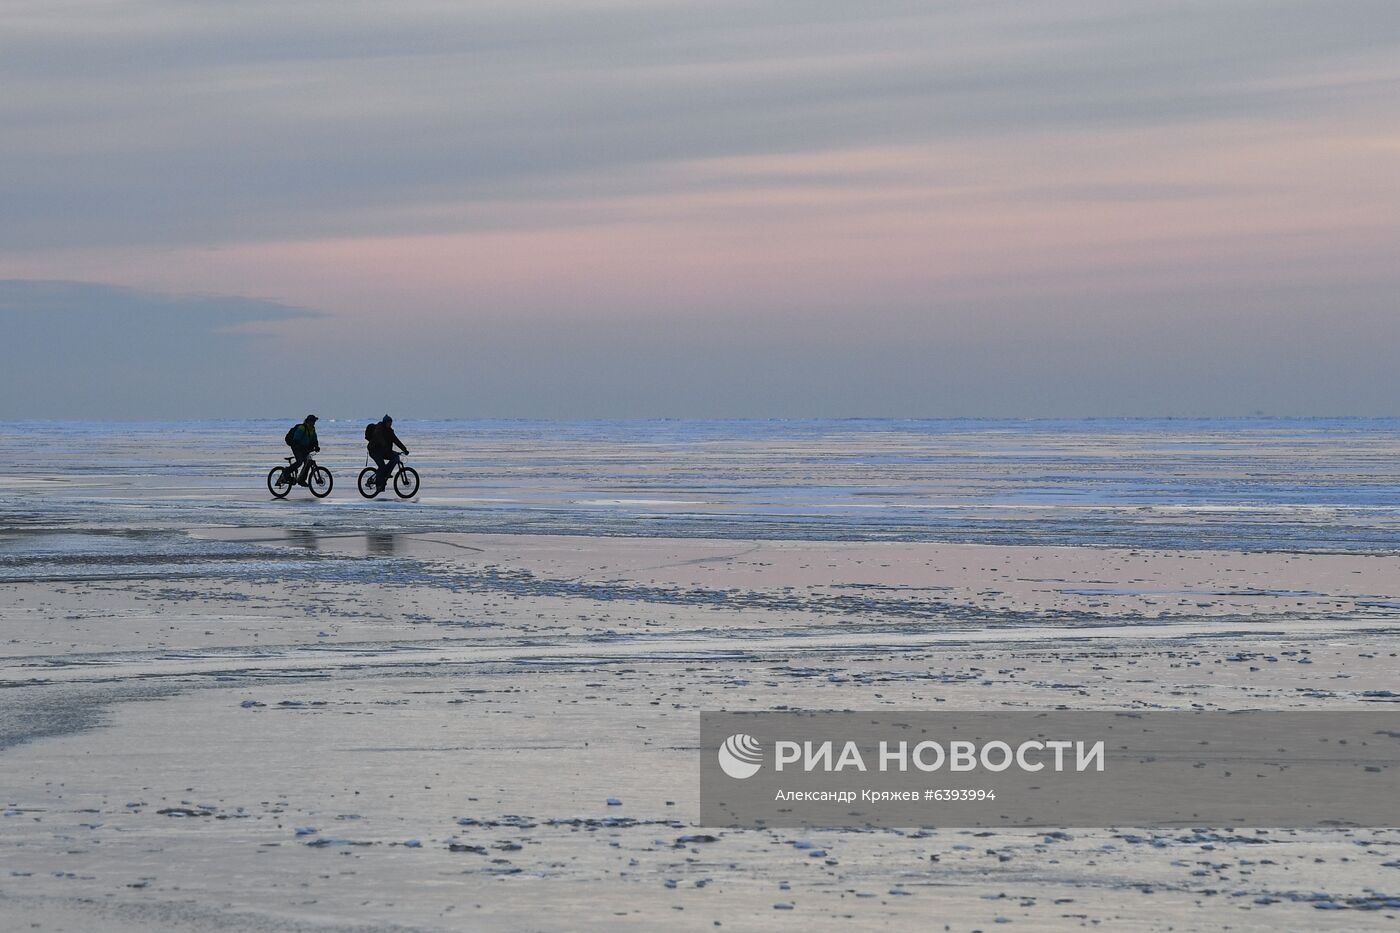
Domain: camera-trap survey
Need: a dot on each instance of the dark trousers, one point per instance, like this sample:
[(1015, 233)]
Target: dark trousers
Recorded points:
[(386, 460), (302, 455)]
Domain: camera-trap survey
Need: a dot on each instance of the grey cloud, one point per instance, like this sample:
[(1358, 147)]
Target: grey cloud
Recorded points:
[(78, 349), (175, 123), (170, 123), (81, 350)]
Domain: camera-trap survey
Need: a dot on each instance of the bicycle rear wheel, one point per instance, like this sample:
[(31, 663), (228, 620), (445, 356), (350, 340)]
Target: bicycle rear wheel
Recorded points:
[(406, 483), (368, 487), (321, 482), (278, 483)]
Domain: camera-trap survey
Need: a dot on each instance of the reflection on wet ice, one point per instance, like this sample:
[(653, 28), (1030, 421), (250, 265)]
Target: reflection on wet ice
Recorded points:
[(304, 538), (381, 543)]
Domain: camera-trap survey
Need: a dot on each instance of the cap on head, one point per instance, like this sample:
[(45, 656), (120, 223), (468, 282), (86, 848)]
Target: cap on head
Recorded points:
[(310, 418), (387, 420)]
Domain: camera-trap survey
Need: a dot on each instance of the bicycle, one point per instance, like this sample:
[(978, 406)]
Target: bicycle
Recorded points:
[(404, 478), (280, 479)]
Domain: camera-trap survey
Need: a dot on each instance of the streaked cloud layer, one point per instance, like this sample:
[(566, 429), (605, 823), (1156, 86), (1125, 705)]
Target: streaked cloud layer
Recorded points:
[(716, 208)]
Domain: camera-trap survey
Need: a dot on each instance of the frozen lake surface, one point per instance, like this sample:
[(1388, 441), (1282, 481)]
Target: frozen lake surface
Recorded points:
[(479, 710), (1308, 484)]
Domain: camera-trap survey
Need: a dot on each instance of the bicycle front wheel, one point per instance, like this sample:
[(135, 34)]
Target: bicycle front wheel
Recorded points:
[(368, 487), (278, 482), (406, 483), (321, 482)]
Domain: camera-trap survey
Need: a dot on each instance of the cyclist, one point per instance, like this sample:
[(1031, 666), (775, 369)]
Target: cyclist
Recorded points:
[(302, 439), (382, 441)]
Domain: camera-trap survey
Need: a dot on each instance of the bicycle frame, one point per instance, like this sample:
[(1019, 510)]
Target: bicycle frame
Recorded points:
[(394, 470), (309, 465)]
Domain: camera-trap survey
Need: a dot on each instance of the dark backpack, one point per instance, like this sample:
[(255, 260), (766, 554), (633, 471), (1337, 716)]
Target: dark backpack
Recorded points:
[(289, 439), (372, 432)]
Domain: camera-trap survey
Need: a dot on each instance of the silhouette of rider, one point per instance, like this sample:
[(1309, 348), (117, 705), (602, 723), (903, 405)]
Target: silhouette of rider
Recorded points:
[(302, 439), (382, 442)]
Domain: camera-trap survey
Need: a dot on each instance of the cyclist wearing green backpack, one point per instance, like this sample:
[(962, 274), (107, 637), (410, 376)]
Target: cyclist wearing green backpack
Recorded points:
[(302, 439)]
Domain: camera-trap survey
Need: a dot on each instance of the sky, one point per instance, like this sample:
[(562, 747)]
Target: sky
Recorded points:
[(788, 208)]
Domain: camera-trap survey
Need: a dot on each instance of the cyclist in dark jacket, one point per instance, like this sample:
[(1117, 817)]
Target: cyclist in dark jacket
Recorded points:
[(382, 442), (302, 439)]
